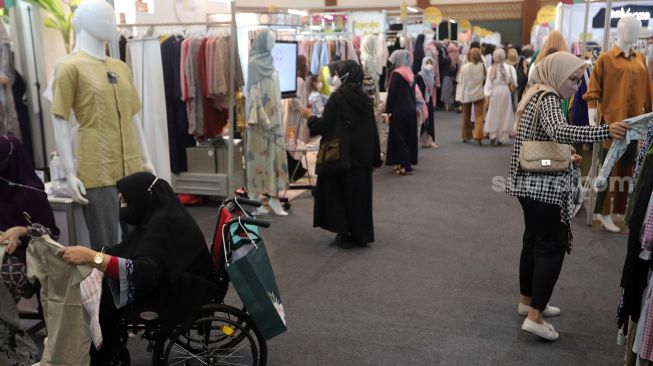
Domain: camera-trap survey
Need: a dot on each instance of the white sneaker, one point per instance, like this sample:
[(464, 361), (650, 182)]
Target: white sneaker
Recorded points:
[(276, 207), (550, 311), (261, 211), (544, 330), (608, 224)]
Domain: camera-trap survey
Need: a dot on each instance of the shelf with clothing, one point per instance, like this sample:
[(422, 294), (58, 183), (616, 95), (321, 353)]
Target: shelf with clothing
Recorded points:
[(195, 82)]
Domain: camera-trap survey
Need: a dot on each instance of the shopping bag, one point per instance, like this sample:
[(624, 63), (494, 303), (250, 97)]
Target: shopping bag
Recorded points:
[(251, 274)]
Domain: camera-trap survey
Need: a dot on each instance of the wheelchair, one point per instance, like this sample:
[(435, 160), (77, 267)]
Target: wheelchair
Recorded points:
[(222, 334)]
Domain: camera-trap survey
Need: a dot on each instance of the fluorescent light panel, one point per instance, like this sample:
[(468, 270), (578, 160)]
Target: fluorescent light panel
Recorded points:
[(411, 9), (328, 17), (297, 12)]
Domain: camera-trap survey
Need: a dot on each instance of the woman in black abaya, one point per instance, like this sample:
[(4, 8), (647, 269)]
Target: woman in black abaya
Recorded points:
[(164, 261), (343, 195), (402, 107)]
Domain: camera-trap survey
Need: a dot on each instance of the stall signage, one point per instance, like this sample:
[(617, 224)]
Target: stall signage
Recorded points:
[(546, 15), (364, 23), (432, 15), (465, 24), (641, 12)]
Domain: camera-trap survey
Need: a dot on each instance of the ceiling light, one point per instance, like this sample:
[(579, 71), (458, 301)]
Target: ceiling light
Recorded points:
[(411, 9), (452, 21), (328, 17), (301, 13)]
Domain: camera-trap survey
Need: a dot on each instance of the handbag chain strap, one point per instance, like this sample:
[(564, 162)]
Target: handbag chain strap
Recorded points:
[(536, 116)]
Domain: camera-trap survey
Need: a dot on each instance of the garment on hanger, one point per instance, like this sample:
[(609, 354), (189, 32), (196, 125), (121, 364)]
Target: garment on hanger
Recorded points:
[(579, 115), (19, 89), (8, 118), (638, 131), (68, 341), (177, 115), (147, 70)]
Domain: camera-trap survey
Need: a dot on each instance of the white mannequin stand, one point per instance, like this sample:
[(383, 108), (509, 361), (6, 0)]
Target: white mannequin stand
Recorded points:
[(94, 22), (628, 30)]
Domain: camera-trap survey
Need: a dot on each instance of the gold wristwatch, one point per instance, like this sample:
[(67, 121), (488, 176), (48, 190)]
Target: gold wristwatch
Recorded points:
[(99, 258)]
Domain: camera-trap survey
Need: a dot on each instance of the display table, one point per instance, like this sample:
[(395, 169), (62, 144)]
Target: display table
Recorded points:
[(303, 150)]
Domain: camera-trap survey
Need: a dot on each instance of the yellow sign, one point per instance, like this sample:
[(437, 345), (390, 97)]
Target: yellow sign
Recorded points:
[(404, 11), (464, 24), (546, 15), (432, 15)]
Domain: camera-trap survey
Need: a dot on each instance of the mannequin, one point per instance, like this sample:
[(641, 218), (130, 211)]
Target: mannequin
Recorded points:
[(619, 74), (100, 91), (267, 165)]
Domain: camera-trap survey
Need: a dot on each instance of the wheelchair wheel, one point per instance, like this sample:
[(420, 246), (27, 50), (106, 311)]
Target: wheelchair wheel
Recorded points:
[(244, 320), (220, 339)]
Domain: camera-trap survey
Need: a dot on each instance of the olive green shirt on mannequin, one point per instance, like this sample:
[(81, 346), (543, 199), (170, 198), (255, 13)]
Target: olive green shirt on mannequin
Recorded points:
[(104, 99)]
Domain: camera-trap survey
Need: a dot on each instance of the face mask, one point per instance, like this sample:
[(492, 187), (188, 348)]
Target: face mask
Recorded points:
[(336, 82), (428, 67), (133, 214), (568, 89)]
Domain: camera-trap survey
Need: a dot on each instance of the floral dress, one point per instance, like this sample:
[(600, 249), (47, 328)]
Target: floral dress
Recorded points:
[(267, 165)]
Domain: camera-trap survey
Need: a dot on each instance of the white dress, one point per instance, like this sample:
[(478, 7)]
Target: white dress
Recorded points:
[(500, 119)]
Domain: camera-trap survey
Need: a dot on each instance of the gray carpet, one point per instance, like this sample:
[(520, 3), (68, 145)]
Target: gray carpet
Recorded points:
[(440, 284)]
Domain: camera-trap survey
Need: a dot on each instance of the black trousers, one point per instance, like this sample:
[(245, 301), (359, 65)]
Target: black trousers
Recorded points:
[(544, 246)]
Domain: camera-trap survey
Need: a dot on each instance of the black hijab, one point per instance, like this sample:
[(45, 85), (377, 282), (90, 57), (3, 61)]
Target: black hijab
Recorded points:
[(21, 190), (164, 228), (167, 249), (418, 54)]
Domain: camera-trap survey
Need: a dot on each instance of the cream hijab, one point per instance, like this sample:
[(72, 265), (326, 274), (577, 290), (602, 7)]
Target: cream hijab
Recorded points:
[(550, 74)]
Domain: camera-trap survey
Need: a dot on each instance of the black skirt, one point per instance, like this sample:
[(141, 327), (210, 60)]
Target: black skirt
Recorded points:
[(343, 203)]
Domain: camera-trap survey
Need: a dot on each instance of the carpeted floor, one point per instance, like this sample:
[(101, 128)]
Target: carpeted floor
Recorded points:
[(440, 284)]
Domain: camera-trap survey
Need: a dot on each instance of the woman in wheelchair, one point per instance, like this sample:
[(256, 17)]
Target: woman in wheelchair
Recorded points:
[(163, 261)]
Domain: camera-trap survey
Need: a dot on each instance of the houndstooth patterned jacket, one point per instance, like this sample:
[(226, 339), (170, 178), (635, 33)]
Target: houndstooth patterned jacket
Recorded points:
[(552, 188)]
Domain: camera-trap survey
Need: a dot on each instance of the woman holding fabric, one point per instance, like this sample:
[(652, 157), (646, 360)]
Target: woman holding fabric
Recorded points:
[(546, 198), (426, 82), (499, 119), (349, 149), (164, 261), (24, 206), (401, 105)]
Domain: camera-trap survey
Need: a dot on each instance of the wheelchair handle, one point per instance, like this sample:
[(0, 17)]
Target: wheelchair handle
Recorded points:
[(243, 201), (250, 221)]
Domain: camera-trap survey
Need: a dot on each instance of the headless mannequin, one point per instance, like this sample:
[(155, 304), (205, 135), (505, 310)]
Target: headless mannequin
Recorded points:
[(628, 30), (94, 23)]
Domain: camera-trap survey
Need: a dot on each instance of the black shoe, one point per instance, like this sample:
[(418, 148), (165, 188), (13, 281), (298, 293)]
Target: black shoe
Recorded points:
[(344, 241)]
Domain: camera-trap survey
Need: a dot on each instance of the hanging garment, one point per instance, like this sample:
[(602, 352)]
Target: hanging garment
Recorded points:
[(147, 68), (68, 342), (178, 137), (315, 57), (8, 117), (579, 115), (295, 124), (638, 129), (643, 345), (19, 89)]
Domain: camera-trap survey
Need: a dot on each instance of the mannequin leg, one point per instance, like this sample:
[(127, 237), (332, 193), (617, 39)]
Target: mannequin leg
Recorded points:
[(102, 217)]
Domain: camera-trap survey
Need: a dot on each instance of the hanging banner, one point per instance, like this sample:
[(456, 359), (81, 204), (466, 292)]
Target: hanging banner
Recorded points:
[(546, 15), (363, 23), (432, 15), (464, 24), (404, 11)]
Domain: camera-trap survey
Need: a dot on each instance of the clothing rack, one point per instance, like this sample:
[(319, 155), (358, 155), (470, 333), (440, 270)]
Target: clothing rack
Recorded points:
[(211, 184)]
